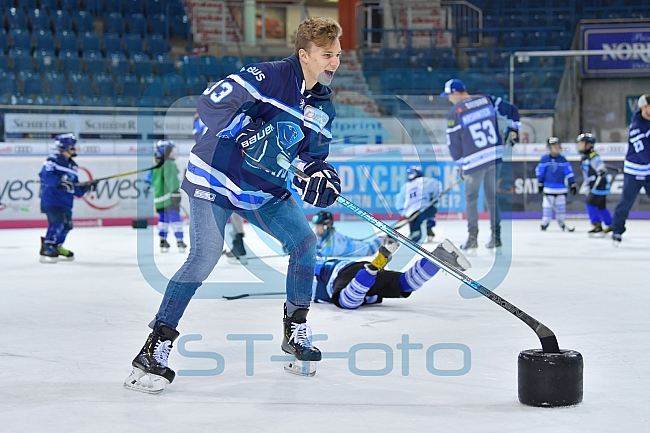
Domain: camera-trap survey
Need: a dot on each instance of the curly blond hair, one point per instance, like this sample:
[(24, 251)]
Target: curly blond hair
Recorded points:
[(321, 32)]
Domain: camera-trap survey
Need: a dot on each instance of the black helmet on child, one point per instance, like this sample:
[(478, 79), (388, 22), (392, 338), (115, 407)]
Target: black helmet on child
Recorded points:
[(552, 141), (587, 137), (323, 217)]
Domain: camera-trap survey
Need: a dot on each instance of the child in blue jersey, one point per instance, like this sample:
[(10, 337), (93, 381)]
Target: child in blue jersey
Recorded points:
[(266, 111), (332, 243), (554, 173), (636, 168), (596, 185), (348, 284), (59, 187)]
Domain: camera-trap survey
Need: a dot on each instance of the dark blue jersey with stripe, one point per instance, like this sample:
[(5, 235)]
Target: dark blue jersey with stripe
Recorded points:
[(54, 168), (637, 160), (274, 92)]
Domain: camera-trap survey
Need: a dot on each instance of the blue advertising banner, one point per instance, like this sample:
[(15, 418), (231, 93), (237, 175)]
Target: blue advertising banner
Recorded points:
[(373, 185), (627, 46)]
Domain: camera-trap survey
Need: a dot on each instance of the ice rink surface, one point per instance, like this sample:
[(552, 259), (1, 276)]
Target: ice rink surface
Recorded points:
[(70, 331)]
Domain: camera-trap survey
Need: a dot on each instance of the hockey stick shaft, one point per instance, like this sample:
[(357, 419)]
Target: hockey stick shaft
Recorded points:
[(245, 295), (128, 173), (546, 336)]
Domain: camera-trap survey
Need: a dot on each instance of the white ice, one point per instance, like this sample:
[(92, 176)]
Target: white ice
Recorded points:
[(70, 330)]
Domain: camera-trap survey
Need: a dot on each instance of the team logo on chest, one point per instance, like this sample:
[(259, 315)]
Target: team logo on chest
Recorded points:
[(289, 134)]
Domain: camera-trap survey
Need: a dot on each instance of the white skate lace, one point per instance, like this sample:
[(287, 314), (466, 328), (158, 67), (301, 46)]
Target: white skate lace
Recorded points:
[(161, 352), (301, 334)]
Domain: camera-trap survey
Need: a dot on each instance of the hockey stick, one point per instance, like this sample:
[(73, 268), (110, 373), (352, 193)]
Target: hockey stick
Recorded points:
[(546, 336), (14, 207), (128, 173), (245, 295)]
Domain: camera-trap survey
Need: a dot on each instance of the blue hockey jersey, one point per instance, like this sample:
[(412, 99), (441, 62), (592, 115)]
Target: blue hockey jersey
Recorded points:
[(637, 160), (555, 173), (54, 168), (274, 92), (472, 134), (333, 243), (596, 179)]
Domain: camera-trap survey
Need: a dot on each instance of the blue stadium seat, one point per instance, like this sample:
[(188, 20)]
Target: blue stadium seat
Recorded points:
[(537, 21), (152, 85), (45, 60), (210, 67), (141, 64), (197, 84), (230, 65), (394, 80), (153, 7), (373, 62), (44, 39), (95, 101), (129, 85), (4, 41), (419, 79), (114, 23), (395, 58), (69, 62), (94, 61), (89, 41), (67, 41), (111, 43), (61, 20), (32, 83), (50, 5), (27, 4), (536, 39), (8, 84), (159, 25), (81, 84), (21, 59), (190, 66), (164, 64), (47, 100), (83, 21), (420, 59), (57, 84), (38, 19), (147, 101), (22, 100), (175, 85), (512, 39), (132, 44), (136, 24), (513, 20), (444, 59), (70, 5), (70, 101), (166, 101), (4, 65), (20, 38), (118, 63), (16, 18), (105, 84), (561, 39), (156, 44), (180, 25), (132, 6), (122, 101)]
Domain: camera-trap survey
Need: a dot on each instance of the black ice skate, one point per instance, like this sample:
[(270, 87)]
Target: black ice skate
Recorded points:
[(150, 370), (596, 231), (495, 240), (430, 234), (65, 254), (448, 253), (471, 244), (181, 246), (296, 341), (49, 253), (238, 252), (164, 246), (616, 238), (544, 227)]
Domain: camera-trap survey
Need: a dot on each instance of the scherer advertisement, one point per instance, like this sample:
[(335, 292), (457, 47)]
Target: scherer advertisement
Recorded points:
[(370, 182)]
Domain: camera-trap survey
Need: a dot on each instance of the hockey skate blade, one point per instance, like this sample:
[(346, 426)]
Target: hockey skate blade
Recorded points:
[(448, 246), (300, 368), (46, 259), (142, 381)]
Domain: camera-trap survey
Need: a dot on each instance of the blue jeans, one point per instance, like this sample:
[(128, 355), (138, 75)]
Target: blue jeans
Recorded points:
[(282, 219), (631, 187)]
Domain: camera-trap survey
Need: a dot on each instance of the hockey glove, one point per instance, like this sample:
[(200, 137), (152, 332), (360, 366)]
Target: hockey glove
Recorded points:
[(65, 184), (323, 185), (540, 187), (259, 143), (89, 187), (574, 189)]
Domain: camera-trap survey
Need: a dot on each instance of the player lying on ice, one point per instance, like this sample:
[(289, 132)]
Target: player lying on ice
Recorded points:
[(349, 284)]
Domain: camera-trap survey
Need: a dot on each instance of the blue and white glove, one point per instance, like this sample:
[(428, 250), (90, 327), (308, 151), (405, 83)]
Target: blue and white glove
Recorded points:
[(261, 146), (323, 185), (65, 184), (512, 136)]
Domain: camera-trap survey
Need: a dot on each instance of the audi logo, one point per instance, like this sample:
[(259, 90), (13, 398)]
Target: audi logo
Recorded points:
[(23, 149), (91, 149)]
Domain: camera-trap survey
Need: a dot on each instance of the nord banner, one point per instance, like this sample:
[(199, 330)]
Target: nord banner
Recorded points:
[(627, 46)]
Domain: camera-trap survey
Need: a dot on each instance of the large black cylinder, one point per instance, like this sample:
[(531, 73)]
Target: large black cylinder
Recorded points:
[(550, 379)]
